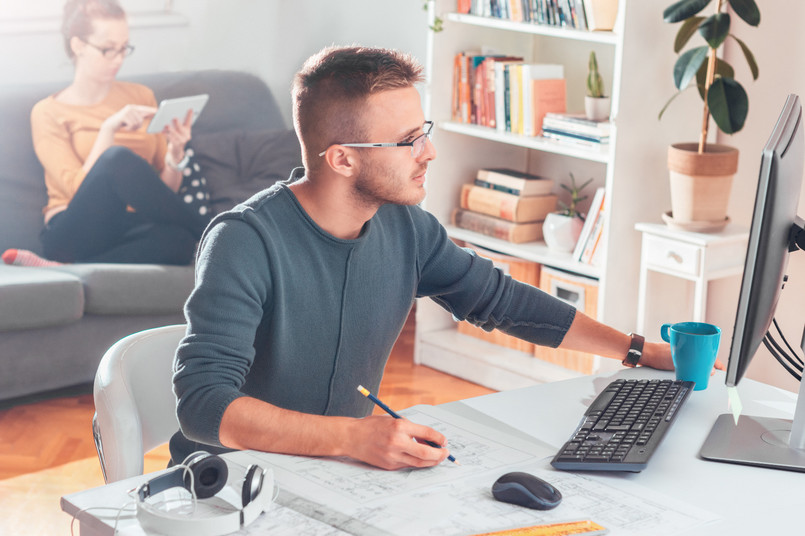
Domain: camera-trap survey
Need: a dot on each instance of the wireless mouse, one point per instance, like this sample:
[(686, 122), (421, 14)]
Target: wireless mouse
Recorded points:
[(526, 490)]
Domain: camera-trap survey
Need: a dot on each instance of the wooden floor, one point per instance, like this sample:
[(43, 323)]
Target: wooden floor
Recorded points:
[(46, 448)]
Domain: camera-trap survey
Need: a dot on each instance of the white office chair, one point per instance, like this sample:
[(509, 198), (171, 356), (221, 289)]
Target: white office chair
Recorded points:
[(135, 408)]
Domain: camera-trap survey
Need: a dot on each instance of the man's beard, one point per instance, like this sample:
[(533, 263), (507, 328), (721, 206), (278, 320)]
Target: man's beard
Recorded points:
[(378, 185)]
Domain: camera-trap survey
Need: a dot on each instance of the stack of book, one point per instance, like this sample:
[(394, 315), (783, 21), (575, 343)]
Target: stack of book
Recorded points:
[(505, 93), (588, 248), (505, 204), (576, 128)]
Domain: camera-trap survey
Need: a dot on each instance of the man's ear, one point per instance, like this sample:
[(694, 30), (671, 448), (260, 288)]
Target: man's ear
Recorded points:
[(342, 160)]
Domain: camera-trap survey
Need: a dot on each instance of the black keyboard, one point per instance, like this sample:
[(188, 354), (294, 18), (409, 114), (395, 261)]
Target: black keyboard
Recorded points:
[(623, 426)]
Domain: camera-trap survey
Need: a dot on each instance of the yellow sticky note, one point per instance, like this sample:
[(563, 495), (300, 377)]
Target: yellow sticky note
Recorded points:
[(734, 403)]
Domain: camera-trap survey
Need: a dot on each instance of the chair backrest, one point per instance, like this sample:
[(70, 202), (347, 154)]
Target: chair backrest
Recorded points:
[(135, 408)]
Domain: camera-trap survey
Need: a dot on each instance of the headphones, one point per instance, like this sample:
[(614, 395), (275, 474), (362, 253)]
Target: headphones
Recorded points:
[(204, 475)]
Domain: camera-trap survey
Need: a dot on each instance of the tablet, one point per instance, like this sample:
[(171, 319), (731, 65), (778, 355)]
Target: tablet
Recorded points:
[(170, 109)]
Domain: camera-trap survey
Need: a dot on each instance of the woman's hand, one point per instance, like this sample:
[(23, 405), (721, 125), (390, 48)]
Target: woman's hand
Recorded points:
[(129, 118), (178, 134)]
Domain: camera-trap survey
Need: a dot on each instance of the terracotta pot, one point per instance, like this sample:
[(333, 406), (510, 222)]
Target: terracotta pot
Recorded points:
[(701, 183)]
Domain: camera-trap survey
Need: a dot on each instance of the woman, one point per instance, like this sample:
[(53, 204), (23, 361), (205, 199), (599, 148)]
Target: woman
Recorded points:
[(112, 187)]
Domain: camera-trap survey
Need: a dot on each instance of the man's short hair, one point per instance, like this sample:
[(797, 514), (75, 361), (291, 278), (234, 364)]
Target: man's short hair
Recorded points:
[(330, 92)]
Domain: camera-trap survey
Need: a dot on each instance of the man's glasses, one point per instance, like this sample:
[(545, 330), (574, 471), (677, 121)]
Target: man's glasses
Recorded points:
[(111, 53), (417, 145)]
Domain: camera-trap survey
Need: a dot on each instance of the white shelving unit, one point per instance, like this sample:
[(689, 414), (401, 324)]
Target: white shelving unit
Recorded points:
[(462, 149)]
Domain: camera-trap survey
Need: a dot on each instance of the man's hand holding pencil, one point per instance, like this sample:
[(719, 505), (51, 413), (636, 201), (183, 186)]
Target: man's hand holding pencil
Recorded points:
[(392, 447)]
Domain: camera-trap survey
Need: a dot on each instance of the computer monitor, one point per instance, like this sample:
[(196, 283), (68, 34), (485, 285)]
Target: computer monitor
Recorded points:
[(775, 232)]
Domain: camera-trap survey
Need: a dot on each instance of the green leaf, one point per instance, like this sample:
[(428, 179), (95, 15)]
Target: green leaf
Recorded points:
[(750, 58), (723, 70), (683, 9), (728, 105), (685, 32), (686, 66), (674, 96), (747, 10), (715, 29)]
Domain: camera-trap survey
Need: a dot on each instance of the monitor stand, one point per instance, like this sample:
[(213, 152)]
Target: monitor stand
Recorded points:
[(760, 441)]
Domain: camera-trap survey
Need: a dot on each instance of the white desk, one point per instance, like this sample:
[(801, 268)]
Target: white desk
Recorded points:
[(749, 500), (696, 257)]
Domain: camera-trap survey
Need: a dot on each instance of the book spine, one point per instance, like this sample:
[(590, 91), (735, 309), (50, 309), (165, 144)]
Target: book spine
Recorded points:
[(497, 228), (498, 187), (589, 222), (509, 207), (550, 132)]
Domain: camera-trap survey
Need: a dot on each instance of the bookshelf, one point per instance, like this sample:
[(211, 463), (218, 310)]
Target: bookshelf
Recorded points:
[(464, 148)]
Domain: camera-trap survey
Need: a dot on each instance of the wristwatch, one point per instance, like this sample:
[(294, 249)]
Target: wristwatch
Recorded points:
[(635, 350)]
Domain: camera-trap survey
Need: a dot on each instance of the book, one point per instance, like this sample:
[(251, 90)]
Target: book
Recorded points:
[(517, 233), (589, 222), (520, 209), (515, 182), (577, 123), (500, 69), (548, 95), (594, 239), (541, 93), (572, 136), (601, 14)]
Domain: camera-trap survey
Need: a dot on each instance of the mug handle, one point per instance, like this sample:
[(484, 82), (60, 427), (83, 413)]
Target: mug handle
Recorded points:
[(666, 336)]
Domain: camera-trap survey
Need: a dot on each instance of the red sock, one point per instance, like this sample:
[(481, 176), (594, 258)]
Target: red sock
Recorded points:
[(23, 257)]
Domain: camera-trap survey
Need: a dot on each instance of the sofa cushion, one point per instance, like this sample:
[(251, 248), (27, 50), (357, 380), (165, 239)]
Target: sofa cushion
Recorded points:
[(38, 297), (132, 289), (239, 163), (22, 184)]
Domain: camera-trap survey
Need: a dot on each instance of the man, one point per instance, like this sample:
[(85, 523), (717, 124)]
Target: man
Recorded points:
[(302, 290)]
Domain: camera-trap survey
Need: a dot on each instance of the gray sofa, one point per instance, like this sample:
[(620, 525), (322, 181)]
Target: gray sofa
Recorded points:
[(56, 323)]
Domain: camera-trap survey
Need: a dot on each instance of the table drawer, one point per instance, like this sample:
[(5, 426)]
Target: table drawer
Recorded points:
[(672, 255)]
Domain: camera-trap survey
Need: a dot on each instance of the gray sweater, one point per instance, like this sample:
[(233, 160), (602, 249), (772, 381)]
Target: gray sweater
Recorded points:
[(284, 312)]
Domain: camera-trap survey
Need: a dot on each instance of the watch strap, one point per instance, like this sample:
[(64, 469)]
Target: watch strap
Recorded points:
[(635, 350)]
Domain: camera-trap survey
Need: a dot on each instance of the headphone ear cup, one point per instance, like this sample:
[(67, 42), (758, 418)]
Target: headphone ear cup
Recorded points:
[(209, 474)]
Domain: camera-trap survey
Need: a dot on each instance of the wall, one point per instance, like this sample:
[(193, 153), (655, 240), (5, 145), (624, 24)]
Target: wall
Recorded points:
[(270, 38), (778, 44)]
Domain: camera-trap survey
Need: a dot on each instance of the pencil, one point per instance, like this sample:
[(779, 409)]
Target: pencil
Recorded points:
[(365, 392)]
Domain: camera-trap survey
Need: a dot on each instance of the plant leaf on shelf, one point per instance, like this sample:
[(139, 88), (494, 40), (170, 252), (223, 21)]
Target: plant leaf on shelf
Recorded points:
[(715, 29), (688, 63), (747, 10), (686, 31), (683, 9), (728, 104)]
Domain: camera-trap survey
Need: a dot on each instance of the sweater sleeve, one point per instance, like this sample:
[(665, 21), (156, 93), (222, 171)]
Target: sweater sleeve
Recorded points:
[(53, 146), (471, 288), (223, 313)]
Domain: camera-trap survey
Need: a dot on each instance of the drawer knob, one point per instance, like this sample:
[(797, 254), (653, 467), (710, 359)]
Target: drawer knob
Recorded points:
[(675, 257)]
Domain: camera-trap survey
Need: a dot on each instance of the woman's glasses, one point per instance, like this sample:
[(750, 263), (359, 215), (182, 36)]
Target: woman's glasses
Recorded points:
[(111, 53)]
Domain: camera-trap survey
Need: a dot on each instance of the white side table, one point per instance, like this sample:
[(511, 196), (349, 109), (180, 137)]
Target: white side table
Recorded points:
[(696, 257)]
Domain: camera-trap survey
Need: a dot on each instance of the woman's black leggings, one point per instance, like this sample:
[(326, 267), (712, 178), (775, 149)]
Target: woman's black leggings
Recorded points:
[(98, 227)]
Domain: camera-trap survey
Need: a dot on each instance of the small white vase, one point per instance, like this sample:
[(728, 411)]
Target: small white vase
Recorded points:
[(561, 232), (596, 108)]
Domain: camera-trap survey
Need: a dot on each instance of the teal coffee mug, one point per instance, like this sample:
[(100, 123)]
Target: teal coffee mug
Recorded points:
[(694, 346)]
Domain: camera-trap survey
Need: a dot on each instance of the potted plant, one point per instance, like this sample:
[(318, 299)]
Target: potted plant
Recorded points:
[(701, 173), (562, 228), (596, 105)]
